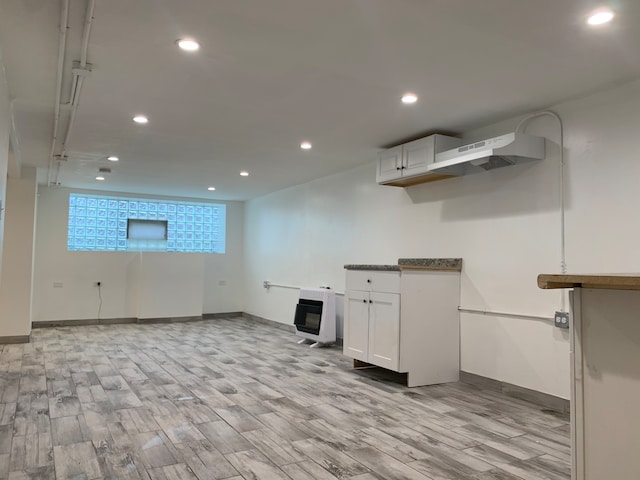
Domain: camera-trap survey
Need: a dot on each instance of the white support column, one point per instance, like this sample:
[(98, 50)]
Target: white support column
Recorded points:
[(16, 282)]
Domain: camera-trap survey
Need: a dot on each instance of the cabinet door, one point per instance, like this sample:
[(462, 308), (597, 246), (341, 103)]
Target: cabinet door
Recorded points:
[(356, 324), (389, 165), (417, 156), (384, 330)]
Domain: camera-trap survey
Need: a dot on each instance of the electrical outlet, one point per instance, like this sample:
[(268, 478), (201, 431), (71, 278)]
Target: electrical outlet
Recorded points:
[(562, 319), (265, 284)]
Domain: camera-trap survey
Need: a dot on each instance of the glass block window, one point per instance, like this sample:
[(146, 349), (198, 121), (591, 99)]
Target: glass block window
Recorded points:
[(99, 223)]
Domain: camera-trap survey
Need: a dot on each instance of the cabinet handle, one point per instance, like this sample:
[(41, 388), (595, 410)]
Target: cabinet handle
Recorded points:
[(397, 168), (364, 300), (370, 301), (402, 167), (368, 280)]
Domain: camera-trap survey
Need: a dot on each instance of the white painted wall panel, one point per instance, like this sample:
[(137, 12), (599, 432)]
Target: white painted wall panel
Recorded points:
[(133, 286), (224, 274), (170, 284)]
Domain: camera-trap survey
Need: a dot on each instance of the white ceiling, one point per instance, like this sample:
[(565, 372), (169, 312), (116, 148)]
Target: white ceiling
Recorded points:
[(271, 73)]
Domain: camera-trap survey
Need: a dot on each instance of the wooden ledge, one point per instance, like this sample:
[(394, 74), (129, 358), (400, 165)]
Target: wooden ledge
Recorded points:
[(622, 281)]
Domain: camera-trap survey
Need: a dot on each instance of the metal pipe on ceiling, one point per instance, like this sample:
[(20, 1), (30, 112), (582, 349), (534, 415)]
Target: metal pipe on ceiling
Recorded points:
[(79, 81), (88, 22), (62, 45), (79, 74)]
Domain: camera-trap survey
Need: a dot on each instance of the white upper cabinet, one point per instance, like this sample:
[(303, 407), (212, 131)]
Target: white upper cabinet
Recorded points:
[(407, 164), (389, 164)]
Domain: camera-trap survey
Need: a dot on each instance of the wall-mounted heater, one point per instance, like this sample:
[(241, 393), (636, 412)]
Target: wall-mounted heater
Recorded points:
[(315, 317)]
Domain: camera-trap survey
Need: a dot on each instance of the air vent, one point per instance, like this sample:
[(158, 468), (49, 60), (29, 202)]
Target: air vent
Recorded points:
[(494, 162), (104, 170)]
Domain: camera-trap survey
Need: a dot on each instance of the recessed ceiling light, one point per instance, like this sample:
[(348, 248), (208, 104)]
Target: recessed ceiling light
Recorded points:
[(112, 158), (305, 145), (100, 177), (211, 189), (188, 44), (140, 119), (409, 98), (244, 174), (600, 16)]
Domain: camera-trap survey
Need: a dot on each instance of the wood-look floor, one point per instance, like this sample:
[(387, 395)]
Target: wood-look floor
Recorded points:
[(233, 399)]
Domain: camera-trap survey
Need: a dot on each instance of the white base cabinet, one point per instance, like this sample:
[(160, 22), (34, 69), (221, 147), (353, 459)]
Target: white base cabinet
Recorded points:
[(406, 321)]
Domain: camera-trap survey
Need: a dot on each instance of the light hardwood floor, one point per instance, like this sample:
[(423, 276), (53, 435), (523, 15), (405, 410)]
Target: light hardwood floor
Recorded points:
[(234, 399)]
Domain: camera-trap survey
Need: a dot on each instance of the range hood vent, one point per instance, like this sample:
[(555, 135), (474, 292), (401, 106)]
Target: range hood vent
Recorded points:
[(497, 152)]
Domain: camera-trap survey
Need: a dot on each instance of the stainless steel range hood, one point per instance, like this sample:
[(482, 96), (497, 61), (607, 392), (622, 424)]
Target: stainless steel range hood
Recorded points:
[(502, 151)]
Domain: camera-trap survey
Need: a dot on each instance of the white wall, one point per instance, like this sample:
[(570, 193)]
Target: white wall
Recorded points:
[(505, 224), (224, 274), (5, 116), (133, 282), (77, 272), (170, 285), (17, 255)]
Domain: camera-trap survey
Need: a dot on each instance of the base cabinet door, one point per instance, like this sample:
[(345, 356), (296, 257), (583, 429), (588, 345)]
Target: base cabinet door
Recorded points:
[(356, 325), (384, 330)]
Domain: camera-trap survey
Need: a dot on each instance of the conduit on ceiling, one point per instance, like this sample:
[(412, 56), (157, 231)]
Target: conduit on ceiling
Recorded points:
[(81, 69)]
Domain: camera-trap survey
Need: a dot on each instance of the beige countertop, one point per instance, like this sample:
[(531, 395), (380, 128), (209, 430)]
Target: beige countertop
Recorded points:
[(617, 281)]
